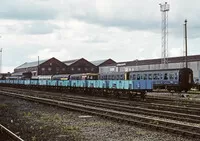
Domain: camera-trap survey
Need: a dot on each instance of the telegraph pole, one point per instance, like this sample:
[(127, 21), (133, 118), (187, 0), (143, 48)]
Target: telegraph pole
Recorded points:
[(186, 62)]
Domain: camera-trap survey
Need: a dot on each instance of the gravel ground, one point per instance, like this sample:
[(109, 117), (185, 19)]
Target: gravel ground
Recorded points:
[(38, 122), (194, 97)]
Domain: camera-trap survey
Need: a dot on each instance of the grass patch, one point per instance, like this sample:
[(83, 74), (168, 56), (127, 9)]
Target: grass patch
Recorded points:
[(51, 118), (194, 92), (3, 105), (27, 114), (72, 129)]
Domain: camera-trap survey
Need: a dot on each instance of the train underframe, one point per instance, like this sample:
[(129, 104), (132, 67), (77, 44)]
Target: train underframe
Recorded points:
[(171, 88), (118, 93)]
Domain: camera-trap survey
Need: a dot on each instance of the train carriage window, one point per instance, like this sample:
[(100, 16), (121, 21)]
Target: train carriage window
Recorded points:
[(138, 76), (171, 76), (117, 77), (113, 77), (141, 76), (145, 76), (158, 76), (165, 76), (131, 77), (134, 77), (121, 77), (176, 76), (154, 76), (150, 77), (161, 76)]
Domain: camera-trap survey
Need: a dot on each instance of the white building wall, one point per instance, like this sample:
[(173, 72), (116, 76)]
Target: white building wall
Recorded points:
[(105, 69)]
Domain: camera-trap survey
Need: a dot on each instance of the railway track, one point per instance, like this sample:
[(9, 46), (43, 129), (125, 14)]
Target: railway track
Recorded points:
[(181, 112), (123, 113), (182, 105), (6, 134), (149, 99)]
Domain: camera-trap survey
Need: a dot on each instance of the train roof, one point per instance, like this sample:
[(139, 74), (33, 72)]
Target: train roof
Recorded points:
[(147, 71), (156, 70)]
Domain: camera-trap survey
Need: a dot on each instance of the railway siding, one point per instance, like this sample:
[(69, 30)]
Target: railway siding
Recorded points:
[(120, 116)]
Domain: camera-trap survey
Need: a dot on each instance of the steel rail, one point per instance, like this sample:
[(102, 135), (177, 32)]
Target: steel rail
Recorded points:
[(11, 135)]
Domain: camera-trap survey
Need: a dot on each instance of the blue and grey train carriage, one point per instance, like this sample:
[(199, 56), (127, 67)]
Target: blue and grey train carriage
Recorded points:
[(180, 79)]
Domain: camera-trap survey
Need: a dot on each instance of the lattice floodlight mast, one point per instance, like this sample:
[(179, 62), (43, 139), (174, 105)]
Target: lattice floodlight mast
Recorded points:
[(164, 8)]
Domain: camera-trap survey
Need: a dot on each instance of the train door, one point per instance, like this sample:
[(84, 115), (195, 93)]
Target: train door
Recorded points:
[(127, 75), (190, 78)]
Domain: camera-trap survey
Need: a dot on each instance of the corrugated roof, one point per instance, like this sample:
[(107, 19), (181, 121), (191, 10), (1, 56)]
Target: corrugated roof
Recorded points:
[(69, 62), (98, 62), (17, 74), (30, 64), (158, 61)]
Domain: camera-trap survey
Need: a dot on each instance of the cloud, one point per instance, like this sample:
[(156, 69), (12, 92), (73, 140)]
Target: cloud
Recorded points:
[(100, 29), (39, 28), (26, 10)]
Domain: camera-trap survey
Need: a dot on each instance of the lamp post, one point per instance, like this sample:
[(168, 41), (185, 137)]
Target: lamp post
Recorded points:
[(186, 62)]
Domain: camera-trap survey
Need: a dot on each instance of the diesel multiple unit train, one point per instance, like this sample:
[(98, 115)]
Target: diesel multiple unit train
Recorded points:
[(177, 80)]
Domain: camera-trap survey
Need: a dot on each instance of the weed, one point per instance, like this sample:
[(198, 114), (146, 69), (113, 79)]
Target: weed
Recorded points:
[(3, 105), (28, 114)]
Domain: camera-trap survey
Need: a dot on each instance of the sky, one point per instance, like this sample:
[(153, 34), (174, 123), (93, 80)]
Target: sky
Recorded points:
[(122, 30)]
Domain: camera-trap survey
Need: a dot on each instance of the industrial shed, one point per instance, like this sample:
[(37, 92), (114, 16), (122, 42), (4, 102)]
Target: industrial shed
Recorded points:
[(80, 66), (151, 64), (41, 67), (104, 62)]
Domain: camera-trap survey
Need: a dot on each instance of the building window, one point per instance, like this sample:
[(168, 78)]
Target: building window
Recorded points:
[(63, 69), (92, 69), (50, 64), (49, 68), (43, 69), (79, 69), (72, 69), (57, 69), (86, 69)]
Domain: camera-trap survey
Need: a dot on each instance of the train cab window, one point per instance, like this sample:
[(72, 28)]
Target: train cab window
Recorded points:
[(165, 76), (171, 76), (145, 77), (138, 76), (150, 77)]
